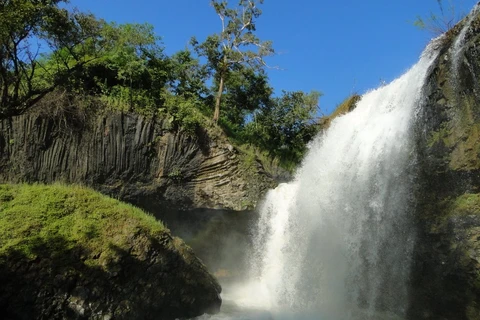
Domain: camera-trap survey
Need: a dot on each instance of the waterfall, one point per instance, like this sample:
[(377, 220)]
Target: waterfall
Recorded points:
[(339, 237), (460, 40)]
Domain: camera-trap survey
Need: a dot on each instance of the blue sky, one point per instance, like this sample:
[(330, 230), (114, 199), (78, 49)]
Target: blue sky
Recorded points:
[(336, 47)]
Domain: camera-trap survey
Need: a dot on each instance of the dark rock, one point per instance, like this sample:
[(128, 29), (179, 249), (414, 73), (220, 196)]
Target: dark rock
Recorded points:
[(132, 158), (167, 282), (124, 265), (445, 281)]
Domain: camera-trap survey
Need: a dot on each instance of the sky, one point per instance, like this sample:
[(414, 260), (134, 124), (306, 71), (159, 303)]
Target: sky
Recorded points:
[(336, 47)]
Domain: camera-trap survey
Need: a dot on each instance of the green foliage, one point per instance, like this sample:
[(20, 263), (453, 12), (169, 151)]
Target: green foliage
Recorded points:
[(130, 70), (134, 53), (346, 106), (236, 45), (22, 21), (36, 214), (466, 204), (183, 112), (124, 63), (246, 91), (285, 126), (188, 77), (441, 22), (124, 67), (126, 99)]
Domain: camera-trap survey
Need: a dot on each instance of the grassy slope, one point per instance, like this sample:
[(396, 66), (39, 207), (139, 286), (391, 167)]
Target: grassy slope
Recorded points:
[(345, 107), (37, 214)]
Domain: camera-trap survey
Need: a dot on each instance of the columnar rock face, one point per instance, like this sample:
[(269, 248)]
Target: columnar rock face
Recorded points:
[(446, 272), (130, 157)]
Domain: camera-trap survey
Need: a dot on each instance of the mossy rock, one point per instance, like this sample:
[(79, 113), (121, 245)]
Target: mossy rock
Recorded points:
[(70, 252), (446, 268)]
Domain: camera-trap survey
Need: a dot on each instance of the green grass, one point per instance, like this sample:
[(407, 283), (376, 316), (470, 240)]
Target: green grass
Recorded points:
[(36, 219), (345, 107)]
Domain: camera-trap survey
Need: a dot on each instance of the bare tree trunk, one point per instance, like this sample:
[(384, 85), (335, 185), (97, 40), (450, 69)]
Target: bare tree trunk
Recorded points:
[(216, 114)]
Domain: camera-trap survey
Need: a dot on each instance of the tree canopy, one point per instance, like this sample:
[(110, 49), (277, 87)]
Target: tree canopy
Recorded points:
[(22, 24), (49, 50), (235, 46)]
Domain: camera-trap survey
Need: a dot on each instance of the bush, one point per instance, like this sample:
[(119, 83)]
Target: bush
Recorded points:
[(183, 112), (127, 99)]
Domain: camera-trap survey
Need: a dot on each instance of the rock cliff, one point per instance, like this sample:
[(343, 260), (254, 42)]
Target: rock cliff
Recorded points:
[(446, 272), (137, 159)]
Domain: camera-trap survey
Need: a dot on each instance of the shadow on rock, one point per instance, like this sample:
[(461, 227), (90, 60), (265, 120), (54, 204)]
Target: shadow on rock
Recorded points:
[(155, 278)]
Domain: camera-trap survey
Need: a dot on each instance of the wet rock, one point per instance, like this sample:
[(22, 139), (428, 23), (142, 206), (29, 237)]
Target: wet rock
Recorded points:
[(445, 282)]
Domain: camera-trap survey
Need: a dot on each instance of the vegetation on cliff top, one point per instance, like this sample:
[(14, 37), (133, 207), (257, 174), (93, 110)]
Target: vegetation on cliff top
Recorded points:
[(32, 215), (438, 23), (48, 50), (345, 107)]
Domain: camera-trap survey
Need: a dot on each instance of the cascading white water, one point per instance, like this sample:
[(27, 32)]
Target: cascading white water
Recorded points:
[(339, 237), (459, 41)]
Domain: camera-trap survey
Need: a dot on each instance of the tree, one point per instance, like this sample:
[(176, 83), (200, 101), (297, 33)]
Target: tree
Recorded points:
[(123, 64), (74, 44), (245, 92), (188, 76), (133, 53), (130, 48), (24, 26), (285, 126), (20, 21), (235, 45)]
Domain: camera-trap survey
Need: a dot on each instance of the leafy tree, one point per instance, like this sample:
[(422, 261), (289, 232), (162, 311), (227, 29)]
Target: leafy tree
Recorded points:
[(44, 47), (26, 26), (245, 92), (124, 64), (129, 49), (285, 126), (20, 22), (74, 42), (133, 53), (235, 45), (188, 76)]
